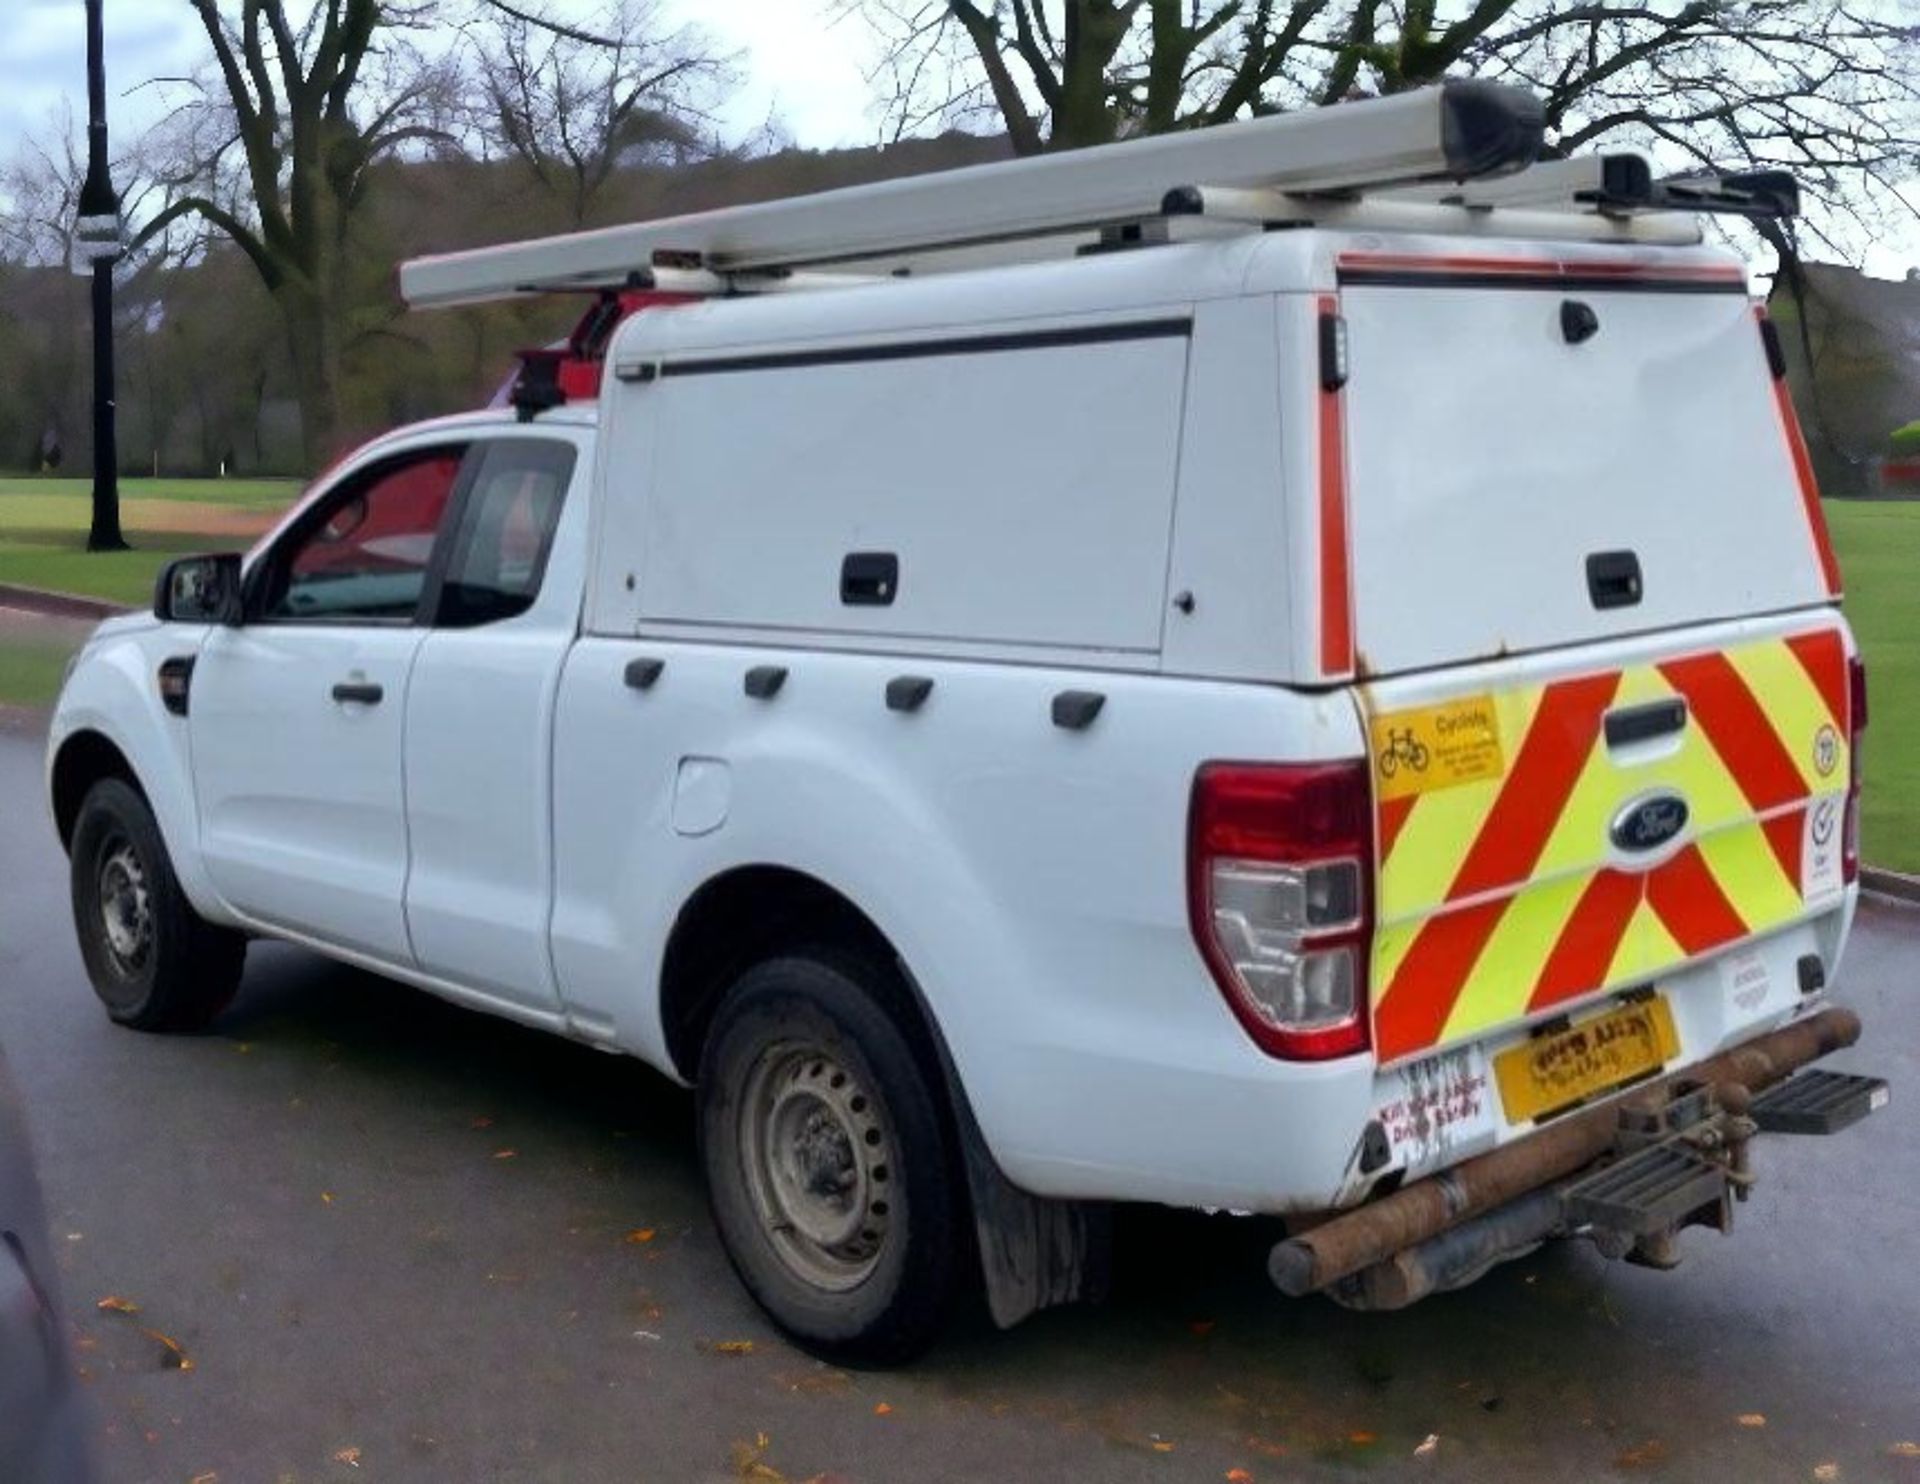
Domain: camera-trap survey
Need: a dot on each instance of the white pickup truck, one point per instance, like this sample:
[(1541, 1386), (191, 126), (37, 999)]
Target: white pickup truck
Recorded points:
[(1351, 719)]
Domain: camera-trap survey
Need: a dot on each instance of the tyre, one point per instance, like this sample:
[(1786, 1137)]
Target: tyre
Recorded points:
[(156, 964), (830, 1161)]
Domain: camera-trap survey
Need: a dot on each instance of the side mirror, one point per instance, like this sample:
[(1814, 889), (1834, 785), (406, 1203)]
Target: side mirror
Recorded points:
[(200, 589)]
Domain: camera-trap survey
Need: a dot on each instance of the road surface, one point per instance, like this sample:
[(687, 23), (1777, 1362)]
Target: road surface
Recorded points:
[(401, 1241)]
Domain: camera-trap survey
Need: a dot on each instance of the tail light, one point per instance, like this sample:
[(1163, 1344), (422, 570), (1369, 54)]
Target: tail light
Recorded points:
[(1278, 892), (1856, 726)]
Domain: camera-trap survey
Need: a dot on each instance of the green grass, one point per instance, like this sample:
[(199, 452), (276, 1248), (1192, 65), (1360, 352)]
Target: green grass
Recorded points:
[(43, 526), (30, 671), (1878, 543)]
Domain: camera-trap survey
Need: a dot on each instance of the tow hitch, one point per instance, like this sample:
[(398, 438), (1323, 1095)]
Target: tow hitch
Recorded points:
[(1631, 1176)]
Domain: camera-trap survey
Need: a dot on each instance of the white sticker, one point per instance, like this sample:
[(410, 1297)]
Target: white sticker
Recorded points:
[(1820, 847), (1743, 974)]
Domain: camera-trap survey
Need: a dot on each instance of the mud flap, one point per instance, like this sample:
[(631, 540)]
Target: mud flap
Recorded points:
[(1034, 1252)]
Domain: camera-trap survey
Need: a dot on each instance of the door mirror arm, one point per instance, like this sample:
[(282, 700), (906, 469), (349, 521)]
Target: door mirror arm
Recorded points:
[(200, 589)]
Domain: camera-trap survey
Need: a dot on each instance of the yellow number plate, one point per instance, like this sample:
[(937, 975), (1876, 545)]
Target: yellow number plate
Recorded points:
[(1591, 1057)]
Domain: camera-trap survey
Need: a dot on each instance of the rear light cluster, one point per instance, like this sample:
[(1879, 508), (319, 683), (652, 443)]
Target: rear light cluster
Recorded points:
[(1279, 893), (1856, 726)]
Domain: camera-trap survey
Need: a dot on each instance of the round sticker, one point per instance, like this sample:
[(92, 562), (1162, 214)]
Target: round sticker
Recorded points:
[(1826, 750)]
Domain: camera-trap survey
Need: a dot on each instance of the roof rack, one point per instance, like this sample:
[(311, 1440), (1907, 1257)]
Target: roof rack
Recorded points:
[(1459, 157)]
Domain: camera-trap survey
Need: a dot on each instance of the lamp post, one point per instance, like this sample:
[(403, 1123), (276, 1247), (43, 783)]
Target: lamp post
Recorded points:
[(97, 245)]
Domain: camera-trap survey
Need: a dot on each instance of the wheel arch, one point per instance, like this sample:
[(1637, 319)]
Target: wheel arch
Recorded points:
[(83, 759), (1032, 1252)]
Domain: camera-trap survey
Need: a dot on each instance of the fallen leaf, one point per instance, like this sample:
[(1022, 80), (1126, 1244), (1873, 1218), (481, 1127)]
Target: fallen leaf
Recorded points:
[(243, 1047), (882, 1409), (506, 1153), (1650, 1452), (1904, 1450), (481, 1122), (1428, 1445), (349, 1456), (1202, 1327), (1161, 1445), (639, 1234), (114, 1304), (1752, 1419), (748, 1460), (1239, 1476), (209, 1477), (326, 1197), (1361, 1439), (816, 1382), (733, 1347), (1825, 1472), (645, 1334), (171, 1355), (75, 1236)]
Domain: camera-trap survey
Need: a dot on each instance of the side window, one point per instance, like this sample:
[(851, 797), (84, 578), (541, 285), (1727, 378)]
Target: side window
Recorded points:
[(506, 530), (365, 554)]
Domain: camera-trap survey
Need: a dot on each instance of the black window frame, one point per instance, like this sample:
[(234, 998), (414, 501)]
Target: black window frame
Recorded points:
[(456, 531)]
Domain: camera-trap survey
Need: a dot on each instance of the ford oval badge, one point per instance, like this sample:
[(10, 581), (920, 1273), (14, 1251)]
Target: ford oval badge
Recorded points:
[(1649, 822)]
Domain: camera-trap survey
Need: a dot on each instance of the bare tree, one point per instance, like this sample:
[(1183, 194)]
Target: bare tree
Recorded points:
[(1825, 88), (305, 100), (574, 101)]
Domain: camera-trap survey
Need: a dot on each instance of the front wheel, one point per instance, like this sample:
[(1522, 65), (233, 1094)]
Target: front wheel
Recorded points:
[(829, 1162), (156, 964)]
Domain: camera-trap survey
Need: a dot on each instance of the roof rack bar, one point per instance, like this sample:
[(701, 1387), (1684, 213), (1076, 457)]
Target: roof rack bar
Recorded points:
[(1399, 212), (1461, 129)]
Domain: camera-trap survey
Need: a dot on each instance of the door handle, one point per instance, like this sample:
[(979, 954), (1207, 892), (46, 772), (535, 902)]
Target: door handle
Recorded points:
[(360, 692)]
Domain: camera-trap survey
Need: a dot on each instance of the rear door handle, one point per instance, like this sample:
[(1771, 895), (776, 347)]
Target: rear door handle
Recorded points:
[(1627, 725), (358, 692)]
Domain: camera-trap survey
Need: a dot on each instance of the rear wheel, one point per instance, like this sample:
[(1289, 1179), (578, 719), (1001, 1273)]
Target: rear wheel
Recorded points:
[(829, 1161), (156, 964)]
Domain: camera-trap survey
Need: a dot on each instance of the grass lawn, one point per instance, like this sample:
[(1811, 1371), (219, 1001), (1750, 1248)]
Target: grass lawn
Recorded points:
[(43, 525), (1878, 544)]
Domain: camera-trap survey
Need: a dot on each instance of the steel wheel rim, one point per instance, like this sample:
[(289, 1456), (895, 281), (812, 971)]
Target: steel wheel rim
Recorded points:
[(126, 909), (817, 1153)]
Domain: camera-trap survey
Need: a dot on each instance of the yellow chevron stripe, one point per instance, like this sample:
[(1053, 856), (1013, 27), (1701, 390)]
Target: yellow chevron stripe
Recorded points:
[(1792, 703), (1441, 829), (1749, 873), (1502, 980)]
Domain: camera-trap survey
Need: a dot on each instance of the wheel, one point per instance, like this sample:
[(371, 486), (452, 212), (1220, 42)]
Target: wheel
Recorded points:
[(156, 964), (830, 1162)]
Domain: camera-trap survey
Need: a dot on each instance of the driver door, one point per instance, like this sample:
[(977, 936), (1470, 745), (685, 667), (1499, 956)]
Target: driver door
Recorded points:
[(296, 715)]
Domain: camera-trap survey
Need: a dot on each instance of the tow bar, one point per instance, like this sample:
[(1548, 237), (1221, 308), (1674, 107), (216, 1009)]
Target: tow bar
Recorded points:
[(1632, 1174)]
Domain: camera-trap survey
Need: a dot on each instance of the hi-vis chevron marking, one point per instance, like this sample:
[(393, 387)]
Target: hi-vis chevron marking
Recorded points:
[(1500, 897)]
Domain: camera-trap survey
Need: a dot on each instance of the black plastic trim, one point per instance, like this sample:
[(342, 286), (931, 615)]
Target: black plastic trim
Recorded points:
[(908, 692), (1578, 322), (1489, 127), (1631, 724), (640, 674), (1613, 579), (1776, 352), (954, 345), (763, 682), (176, 667), (1075, 710), (869, 579)]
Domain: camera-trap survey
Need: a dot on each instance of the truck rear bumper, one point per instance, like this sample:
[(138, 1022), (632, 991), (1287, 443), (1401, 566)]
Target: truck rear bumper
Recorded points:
[(1632, 1173)]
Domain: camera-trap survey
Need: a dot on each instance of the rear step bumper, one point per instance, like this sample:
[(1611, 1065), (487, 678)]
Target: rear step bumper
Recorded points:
[(1631, 1173)]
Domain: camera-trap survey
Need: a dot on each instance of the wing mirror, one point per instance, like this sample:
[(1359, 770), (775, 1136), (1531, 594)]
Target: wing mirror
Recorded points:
[(200, 589)]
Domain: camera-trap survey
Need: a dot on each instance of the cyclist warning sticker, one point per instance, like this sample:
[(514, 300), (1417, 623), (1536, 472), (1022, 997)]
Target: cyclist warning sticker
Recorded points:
[(1433, 747)]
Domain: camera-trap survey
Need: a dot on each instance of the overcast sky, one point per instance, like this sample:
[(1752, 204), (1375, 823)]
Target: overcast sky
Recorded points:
[(799, 66)]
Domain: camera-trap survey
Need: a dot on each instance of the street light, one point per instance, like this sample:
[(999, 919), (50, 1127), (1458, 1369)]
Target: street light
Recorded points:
[(98, 240)]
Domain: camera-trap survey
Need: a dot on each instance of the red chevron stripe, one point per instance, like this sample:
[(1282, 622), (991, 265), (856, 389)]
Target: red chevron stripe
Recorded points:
[(1431, 977), (1393, 817), (1738, 729), (1784, 834), (1563, 733), (1824, 658), (1692, 905), (1579, 961)]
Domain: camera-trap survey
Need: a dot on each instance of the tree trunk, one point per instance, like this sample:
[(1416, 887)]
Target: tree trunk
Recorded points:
[(314, 346)]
